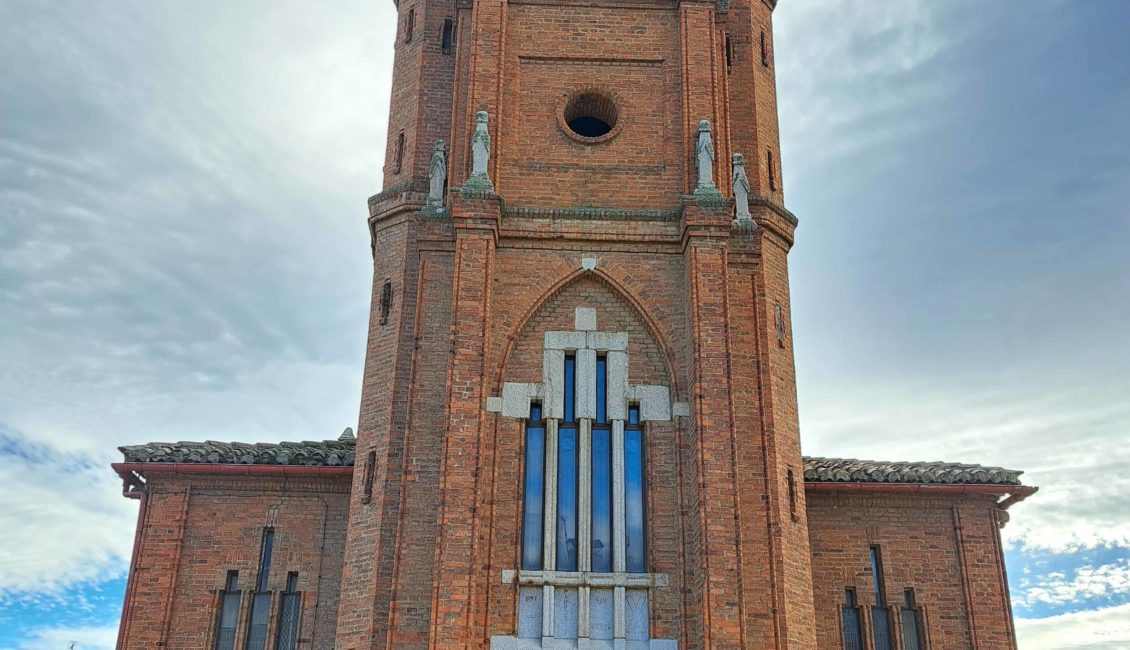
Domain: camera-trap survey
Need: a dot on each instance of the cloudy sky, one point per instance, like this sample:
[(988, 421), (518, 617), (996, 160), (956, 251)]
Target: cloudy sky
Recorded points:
[(183, 255)]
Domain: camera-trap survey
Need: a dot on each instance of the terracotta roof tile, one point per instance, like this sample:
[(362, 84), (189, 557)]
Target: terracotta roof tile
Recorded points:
[(327, 453), (340, 453), (850, 470)]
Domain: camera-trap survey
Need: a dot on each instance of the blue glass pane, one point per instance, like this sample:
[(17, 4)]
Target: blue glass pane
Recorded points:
[(534, 497), (601, 500), (634, 501), (877, 575), (570, 387), (601, 390), (633, 415), (567, 499), (265, 561), (260, 617)]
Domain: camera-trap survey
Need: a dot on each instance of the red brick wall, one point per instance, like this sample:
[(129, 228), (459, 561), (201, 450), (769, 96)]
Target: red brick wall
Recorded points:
[(946, 548), (198, 528), (422, 85)]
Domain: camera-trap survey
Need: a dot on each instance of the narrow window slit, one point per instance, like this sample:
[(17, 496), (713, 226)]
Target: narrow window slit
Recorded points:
[(399, 152), (261, 601), (386, 301), (409, 25), (447, 40)]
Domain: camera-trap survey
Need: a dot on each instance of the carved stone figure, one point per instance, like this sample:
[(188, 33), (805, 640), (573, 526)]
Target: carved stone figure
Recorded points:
[(704, 158), (437, 176), (480, 156), (741, 191)]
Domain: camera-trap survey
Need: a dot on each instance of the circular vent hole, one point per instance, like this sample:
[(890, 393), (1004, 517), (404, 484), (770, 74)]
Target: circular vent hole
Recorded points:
[(591, 115)]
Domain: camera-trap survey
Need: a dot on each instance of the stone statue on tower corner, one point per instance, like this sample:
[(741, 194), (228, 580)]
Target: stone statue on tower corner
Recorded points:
[(480, 157), (437, 177), (704, 160), (742, 216)]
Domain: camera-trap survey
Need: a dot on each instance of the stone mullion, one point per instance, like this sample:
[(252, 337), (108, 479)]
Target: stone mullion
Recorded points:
[(549, 536), (619, 531), (584, 522)]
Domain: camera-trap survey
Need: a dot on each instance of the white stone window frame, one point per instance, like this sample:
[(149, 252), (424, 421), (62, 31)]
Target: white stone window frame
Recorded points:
[(630, 607)]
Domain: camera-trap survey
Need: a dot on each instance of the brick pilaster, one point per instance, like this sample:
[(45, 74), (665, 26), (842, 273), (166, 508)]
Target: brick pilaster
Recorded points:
[(456, 609)]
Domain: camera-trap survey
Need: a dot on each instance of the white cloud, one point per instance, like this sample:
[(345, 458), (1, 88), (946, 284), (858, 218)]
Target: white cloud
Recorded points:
[(1062, 436), (1087, 584), (1102, 629), (859, 84), (63, 520), (60, 638)]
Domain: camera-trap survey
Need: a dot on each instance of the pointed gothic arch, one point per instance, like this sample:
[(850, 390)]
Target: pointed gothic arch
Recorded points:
[(620, 290)]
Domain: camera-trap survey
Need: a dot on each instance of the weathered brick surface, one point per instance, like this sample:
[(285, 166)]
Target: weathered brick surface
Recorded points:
[(946, 549), (198, 528), (434, 516)]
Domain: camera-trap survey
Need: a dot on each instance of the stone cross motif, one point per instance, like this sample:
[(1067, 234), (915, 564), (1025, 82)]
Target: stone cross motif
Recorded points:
[(741, 191), (480, 156), (437, 176), (704, 159)]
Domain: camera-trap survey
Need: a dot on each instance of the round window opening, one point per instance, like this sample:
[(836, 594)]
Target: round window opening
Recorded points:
[(591, 115)]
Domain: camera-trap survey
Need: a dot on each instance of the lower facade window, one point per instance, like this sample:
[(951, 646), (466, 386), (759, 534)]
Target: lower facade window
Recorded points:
[(852, 623), (290, 612), (229, 613), (913, 634), (881, 636)]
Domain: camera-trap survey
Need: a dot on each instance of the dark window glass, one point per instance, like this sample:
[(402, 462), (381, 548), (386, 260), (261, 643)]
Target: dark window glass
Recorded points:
[(913, 637), (772, 170), (260, 613), (764, 51), (534, 504), (386, 292), (399, 151), (881, 628), (265, 558), (853, 633), (229, 613), (601, 499), (877, 576), (880, 615), (447, 42), (567, 498), (602, 390), (729, 53), (290, 613), (370, 466), (570, 388), (261, 601), (791, 477), (634, 492), (409, 25)]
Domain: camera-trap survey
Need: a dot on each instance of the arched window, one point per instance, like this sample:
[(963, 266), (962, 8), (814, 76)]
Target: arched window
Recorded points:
[(583, 563), (587, 481)]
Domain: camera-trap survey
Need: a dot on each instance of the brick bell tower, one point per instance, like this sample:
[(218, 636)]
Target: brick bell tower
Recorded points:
[(578, 424)]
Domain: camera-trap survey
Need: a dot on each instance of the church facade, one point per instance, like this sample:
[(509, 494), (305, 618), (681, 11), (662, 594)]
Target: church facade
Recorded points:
[(578, 425)]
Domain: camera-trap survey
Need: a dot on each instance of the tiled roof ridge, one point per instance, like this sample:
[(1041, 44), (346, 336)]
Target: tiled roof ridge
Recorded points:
[(851, 470), (324, 453), (340, 452)]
